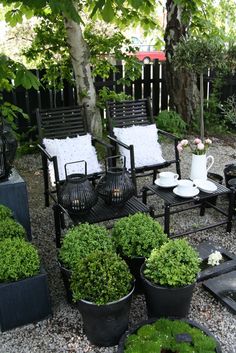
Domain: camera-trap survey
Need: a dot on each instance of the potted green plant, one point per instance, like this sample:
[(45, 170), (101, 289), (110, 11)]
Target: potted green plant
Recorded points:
[(102, 288), (5, 212), (169, 276), (24, 295), (168, 336), (9, 228), (135, 237), (77, 243)]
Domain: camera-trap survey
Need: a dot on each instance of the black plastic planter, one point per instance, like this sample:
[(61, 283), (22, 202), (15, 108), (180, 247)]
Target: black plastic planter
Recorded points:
[(135, 264), (105, 324), (66, 275), (25, 301), (230, 173), (121, 346), (165, 301)]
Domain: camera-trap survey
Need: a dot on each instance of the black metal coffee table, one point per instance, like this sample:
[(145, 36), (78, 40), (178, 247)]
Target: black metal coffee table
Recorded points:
[(202, 200), (99, 213)]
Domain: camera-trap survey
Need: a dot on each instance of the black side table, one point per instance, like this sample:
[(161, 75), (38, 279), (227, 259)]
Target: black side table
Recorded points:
[(201, 200), (99, 213), (13, 194)]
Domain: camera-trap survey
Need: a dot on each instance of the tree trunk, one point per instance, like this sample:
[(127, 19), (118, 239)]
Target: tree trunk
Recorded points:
[(84, 82), (181, 85)]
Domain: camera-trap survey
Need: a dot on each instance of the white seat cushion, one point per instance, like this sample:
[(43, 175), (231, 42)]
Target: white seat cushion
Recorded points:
[(72, 150), (147, 150)]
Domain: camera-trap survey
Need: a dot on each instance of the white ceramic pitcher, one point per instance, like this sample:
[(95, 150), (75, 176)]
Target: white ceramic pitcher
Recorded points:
[(200, 166)]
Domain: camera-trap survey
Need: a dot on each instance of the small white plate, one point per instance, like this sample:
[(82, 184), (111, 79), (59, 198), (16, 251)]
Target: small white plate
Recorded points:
[(205, 185), (195, 192), (158, 183)]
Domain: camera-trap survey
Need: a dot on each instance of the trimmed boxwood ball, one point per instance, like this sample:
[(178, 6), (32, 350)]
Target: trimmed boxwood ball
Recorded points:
[(174, 264), (18, 259), (100, 278), (5, 212), (136, 235), (9, 228), (80, 240)]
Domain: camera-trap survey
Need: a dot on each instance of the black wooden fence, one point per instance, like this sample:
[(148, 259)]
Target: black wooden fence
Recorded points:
[(152, 83)]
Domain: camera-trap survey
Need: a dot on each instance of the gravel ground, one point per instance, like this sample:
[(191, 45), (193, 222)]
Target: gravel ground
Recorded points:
[(63, 332)]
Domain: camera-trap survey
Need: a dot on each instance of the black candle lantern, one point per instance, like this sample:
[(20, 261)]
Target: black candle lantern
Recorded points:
[(77, 194), (8, 146), (115, 187)]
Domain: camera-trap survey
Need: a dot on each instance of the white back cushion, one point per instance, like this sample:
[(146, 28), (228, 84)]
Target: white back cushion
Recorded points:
[(147, 150), (72, 150)]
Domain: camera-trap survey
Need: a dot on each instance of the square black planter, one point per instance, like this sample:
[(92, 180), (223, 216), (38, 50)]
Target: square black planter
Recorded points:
[(223, 288), (25, 301), (228, 264)]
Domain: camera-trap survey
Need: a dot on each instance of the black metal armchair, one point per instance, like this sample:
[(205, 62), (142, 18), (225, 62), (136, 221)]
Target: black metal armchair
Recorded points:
[(66, 128), (131, 126)]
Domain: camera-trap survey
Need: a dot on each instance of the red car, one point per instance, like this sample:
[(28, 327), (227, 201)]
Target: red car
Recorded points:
[(148, 56)]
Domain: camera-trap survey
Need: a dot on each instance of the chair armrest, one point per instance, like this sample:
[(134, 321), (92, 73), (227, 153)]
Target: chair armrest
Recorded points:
[(168, 134), (119, 142), (45, 153), (104, 143)]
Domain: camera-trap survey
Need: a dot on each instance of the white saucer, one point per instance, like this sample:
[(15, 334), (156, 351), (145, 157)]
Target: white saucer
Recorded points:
[(195, 192), (205, 185), (158, 183)]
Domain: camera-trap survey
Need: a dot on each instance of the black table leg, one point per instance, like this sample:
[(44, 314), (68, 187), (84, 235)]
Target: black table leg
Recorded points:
[(57, 222), (230, 211), (167, 220), (144, 195)]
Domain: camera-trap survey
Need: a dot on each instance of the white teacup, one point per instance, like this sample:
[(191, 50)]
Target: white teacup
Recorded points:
[(168, 178), (186, 187)]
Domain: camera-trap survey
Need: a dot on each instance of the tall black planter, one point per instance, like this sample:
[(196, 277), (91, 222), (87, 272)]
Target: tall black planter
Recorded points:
[(165, 301), (105, 324), (66, 276), (135, 264), (25, 301), (230, 173), (121, 346)]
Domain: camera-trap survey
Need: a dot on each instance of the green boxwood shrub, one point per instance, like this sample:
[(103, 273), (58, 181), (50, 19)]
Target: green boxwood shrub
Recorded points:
[(101, 277), (18, 259), (162, 336), (137, 235), (172, 122), (5, 212), (174, 264), (9, 228), (80, 240)]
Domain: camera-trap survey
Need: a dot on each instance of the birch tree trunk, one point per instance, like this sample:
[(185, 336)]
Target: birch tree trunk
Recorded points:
[(86, 93), (181, 85)]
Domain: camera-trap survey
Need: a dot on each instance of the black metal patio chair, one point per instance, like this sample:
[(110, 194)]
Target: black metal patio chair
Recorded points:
[(64, 137), (132, 129)]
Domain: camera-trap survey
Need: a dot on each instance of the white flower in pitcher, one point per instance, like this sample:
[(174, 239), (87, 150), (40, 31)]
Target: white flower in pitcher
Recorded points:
[(214, 258)]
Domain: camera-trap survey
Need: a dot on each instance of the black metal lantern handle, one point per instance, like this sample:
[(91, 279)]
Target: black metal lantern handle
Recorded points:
[(85, 166), (115, 157)]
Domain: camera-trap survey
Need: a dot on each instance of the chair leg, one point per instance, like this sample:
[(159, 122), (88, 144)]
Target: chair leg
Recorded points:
[(57, 222), (45, 180)]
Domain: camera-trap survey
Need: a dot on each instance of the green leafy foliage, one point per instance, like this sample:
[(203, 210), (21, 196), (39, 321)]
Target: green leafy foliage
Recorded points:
[(137, 235), (198, 53), (18, 259), (105, 95), (5, 212), (161, 337), (228, 108), (174, 264), (9, 228), (81, 240), (171, 121), (101, 277)]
